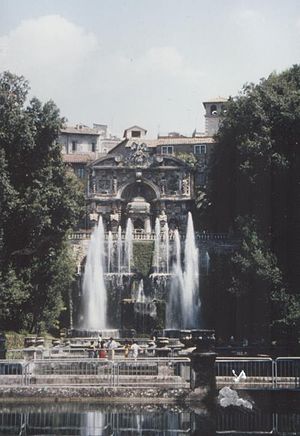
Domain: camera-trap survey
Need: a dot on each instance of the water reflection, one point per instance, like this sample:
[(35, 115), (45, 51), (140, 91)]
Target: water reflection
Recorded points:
[(92, 420), (124, 420)]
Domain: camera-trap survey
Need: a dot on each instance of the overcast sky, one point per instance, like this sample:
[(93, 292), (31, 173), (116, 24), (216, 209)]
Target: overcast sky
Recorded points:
[(145, 62)]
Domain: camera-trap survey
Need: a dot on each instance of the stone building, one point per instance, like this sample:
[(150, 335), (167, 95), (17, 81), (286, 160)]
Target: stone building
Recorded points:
[(141, 177), (82, 144), (133, 180)]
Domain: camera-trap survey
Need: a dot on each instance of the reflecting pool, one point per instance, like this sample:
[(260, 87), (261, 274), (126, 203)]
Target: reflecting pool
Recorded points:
[(90, 419)]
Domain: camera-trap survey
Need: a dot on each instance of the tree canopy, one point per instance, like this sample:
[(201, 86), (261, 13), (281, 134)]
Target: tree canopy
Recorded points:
[(40, 200), (255, 180)]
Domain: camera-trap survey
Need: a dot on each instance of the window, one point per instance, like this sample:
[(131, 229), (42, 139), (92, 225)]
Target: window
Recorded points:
[(79, 171), (135, 134), (200, 149), (213, 110), (167, 149), (93, 146), (74, 146)]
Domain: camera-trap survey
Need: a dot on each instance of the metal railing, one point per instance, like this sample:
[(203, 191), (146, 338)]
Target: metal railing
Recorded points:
[(287, 372), (283, 372), (258, 371), (253, 367), (119, 372), (13, 372)]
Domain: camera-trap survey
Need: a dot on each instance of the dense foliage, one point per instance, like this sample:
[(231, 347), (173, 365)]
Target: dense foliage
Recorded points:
[(142, 257), (39, 202), (254, 192)]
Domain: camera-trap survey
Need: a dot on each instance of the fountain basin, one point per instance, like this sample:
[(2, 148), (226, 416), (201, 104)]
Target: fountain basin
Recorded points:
[(104, 333)]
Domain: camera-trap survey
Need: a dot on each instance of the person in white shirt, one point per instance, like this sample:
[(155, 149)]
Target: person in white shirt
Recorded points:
[(135, 348), (111, 346)]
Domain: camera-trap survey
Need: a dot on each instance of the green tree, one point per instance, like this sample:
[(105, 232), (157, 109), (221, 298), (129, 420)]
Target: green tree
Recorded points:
[(40, 201), (257, 282), (255, 172)]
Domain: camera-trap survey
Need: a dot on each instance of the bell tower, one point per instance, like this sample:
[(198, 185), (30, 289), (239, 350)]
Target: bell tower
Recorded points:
[(213, 111)]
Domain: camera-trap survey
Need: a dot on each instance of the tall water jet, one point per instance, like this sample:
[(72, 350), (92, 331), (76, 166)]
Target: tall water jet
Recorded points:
[(141, 295), (190, 293), (174, 306), (166, 238), (110, 252), (94, 290), (207, 262), (128, 245), (157, 245), (119, 250)]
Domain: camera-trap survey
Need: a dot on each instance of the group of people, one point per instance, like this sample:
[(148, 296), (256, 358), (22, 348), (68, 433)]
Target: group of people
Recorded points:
[(105, 349)]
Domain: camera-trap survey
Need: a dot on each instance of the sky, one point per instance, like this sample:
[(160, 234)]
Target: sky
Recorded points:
[(145, 62)]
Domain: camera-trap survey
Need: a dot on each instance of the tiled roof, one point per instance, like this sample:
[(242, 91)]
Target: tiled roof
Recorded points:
[(135, 127), (80, 130), (216, 100), (153, 143), (79, 157), (187, 141)]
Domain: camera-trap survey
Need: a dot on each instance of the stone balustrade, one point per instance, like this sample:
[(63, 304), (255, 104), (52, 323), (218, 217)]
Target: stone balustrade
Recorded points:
[(142, 236)]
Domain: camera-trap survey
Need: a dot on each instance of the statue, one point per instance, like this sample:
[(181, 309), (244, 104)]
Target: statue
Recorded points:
[(139, 156), (93, 216), (163, 186), (114, 216), (185, 186), (115, 185)]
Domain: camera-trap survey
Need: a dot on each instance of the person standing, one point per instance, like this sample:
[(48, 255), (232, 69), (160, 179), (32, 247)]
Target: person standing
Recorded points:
[(111, 346), (91, 350), (126, 349), (135, 348), (102, 350)]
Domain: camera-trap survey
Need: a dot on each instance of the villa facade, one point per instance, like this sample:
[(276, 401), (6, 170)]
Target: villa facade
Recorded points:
[(139, 177)]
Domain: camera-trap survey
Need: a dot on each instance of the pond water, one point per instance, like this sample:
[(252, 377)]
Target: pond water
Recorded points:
[(266, 417)]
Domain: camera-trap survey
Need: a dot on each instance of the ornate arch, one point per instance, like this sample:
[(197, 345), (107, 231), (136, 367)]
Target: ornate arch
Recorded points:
[(150, 184)]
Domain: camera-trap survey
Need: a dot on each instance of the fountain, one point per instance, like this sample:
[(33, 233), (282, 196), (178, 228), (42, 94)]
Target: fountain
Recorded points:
[(207, 262), (157, 245), (128, 245), (141, 295), (94, 290), (119, 249), (109, 270), (184, 302), (109, 252), (173, 317), (166, 241), (190, 293)]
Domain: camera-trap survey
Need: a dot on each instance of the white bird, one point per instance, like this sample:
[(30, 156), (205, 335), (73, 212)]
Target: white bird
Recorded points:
[(240, 377)]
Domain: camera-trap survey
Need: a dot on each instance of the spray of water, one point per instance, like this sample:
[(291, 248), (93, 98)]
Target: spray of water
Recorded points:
[(184, 303), (207, 262), (109, 252), (157, 244), (190, 294), (94, 290), (167, 249), (128, 245), (119, 249), (141, 295), (173, 313)]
